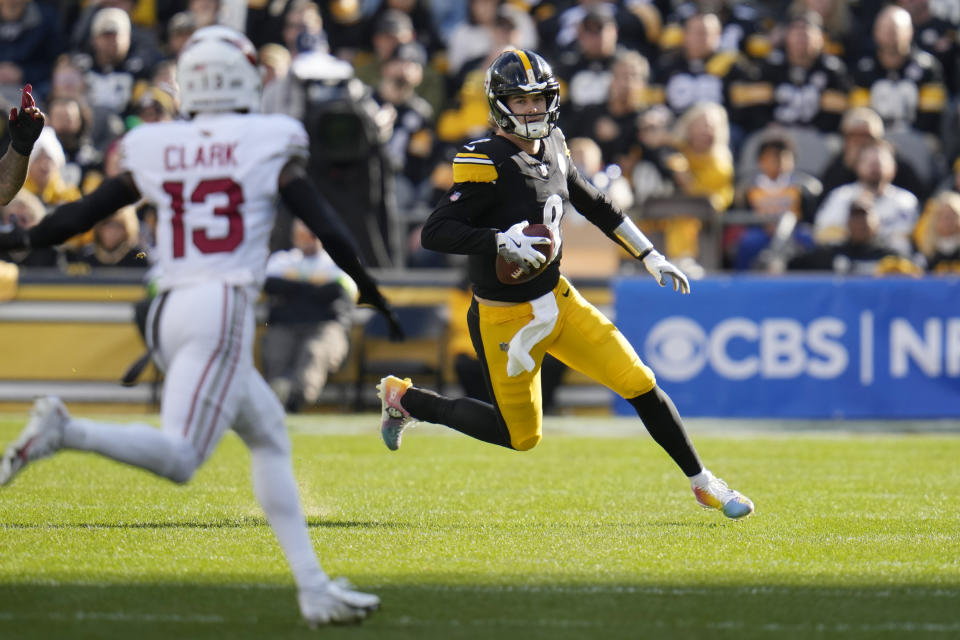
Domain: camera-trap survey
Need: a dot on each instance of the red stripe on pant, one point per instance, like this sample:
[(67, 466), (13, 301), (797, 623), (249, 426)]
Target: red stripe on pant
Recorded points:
[(226, 385), (213, 357)]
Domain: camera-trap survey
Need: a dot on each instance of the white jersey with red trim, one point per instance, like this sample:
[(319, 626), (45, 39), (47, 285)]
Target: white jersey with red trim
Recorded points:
[(213, 180)]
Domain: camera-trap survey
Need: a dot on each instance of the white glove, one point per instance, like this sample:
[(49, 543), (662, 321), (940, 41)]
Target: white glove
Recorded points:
[(516, 247), (659, 268)]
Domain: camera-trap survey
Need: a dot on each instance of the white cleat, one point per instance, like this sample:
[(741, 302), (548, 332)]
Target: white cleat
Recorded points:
[(337, 602), (393, 418), (42, 437), (715, 494)]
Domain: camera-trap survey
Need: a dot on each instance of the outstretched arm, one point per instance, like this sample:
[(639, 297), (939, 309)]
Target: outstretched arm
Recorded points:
[(596, 207), (75, 217), (24, 126), (307, 203)]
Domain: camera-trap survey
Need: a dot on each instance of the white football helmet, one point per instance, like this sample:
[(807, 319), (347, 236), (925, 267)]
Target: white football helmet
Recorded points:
[(217, 71)]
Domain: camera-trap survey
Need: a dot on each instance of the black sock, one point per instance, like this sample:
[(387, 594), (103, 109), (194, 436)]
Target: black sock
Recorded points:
[(476, 419), (661, 419)]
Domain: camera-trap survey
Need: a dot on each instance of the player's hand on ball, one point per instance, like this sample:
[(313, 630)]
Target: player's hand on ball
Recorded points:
[(661, 269), (514, 246)]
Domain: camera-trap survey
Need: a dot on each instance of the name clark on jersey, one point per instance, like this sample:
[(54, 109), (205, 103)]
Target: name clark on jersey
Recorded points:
[(177, 157)]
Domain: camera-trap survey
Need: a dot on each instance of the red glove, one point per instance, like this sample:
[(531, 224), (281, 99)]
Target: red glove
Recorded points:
[(25, 126)]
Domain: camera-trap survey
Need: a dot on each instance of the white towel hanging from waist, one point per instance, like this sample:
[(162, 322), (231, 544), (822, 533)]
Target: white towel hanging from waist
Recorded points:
[(545, 314)]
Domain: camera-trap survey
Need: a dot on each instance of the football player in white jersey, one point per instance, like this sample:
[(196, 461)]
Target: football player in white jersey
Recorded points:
[(214, 178)]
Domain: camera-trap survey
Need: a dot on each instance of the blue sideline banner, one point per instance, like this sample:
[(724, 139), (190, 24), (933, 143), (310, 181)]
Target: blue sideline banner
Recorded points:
[(799, 347)]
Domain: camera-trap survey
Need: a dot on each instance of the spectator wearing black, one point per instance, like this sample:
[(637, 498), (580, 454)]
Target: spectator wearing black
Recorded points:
[(587, 68), (654, 156), (862, 126), (392, 29), (936, 36), (410, 147), (421, 17), (72, 121), (700, 71), (638, 24), (114, 68), (179, 29), (742, 26), (613, 123), (68, 81), (903, 84), (862, 252), (808, 87), (29, 43), (841, 33), (142, 45)]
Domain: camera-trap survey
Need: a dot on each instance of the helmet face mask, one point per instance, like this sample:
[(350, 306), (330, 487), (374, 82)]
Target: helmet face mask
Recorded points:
[(217, 72), (522, 72)]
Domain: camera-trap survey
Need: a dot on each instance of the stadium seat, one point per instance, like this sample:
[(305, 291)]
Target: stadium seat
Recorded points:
[(919, 150), (690, 207)]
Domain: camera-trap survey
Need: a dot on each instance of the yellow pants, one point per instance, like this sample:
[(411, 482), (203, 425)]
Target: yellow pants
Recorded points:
[(583, 339)]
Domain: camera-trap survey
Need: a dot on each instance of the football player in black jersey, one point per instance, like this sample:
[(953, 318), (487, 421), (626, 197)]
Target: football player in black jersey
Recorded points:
[(520, 175)]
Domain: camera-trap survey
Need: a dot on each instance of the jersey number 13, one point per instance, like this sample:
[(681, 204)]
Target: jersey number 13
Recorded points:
[(231, 210)]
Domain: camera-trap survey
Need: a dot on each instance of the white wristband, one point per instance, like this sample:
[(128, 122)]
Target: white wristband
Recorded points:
[(633, 239)]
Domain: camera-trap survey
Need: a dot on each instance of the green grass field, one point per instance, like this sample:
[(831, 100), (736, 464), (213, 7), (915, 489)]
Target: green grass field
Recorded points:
[(855, 536)]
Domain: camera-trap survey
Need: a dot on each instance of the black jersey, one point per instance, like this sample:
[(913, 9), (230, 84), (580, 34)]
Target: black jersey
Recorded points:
[(814, 96), (913, 95), (496, 185), (725, 78)]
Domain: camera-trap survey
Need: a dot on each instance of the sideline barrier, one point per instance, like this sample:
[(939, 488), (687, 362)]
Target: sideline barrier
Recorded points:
[(799, 347)]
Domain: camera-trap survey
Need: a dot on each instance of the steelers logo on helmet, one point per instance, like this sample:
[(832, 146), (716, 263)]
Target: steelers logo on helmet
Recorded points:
[(217, 72), (522, 72)]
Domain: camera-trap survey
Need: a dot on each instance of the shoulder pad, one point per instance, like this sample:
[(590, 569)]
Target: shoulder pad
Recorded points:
[(475, 162)]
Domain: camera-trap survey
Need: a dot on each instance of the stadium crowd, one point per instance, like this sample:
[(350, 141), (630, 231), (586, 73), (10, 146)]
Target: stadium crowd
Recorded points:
[(818, 134)]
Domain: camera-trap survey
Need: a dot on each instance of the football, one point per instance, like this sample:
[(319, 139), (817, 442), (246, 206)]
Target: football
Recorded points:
[(518, 273)]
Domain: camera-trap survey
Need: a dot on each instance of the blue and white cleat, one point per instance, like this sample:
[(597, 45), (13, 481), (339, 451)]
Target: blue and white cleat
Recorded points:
[(394, 418), (713, 493), (42, 437)]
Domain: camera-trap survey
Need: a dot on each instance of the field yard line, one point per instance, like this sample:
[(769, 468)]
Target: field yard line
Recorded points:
[(119, 616), (679, 591), (719, 625)]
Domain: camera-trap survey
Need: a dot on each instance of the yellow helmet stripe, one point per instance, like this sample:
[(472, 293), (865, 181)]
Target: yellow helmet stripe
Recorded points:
[(525, 61)]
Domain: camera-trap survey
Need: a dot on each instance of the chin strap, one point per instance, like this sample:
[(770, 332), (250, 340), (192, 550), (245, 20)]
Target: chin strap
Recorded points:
[(633, 239)]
